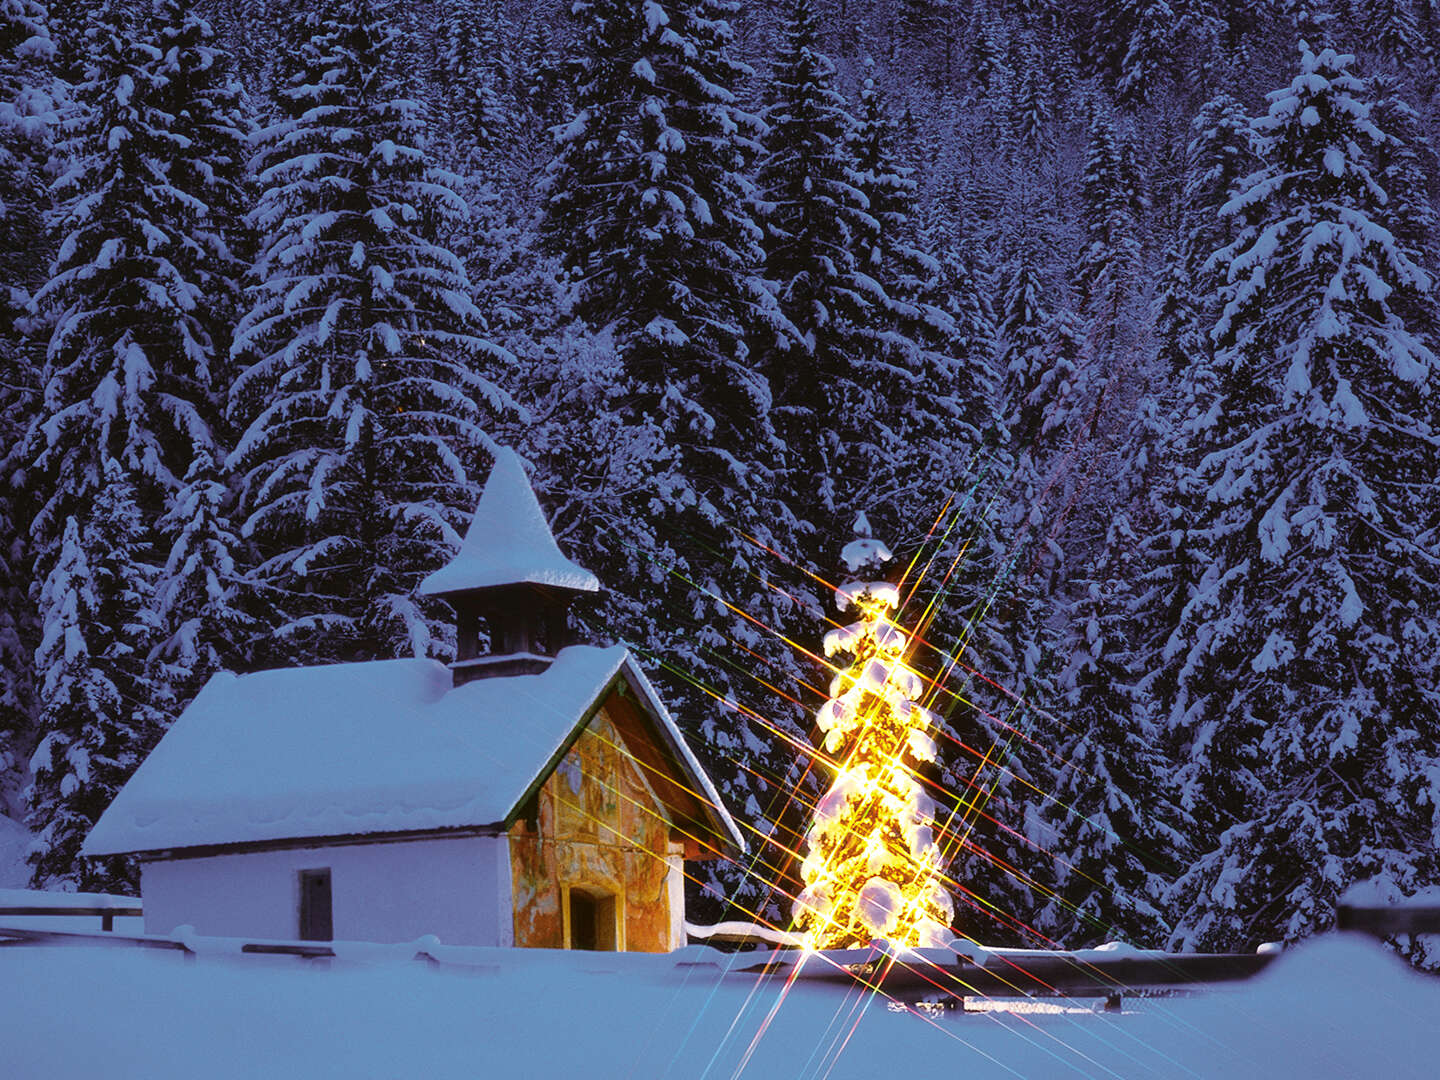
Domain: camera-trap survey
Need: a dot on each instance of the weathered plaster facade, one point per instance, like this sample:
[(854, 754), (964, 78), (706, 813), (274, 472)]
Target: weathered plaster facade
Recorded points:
[(597, 828)]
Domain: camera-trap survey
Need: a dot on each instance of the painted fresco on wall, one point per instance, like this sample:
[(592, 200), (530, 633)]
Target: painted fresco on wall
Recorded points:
[(602, 834)]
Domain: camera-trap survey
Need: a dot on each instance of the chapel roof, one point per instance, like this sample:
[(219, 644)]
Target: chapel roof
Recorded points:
[(386, 746)]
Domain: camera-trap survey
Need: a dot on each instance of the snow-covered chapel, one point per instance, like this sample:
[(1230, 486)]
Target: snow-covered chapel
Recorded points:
[(539, 794)]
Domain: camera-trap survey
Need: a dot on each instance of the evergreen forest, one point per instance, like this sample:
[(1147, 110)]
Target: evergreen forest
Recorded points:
[(1118, 320)]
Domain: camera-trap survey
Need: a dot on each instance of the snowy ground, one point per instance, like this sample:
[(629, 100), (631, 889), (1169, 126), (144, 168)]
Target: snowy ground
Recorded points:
[(1335, 1008)]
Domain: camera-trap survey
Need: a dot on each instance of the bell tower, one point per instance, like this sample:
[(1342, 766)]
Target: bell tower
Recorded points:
[(510, 579)]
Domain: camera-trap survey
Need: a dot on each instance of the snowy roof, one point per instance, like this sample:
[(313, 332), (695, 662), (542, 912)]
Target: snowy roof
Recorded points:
[(379, 747), (509, 541)]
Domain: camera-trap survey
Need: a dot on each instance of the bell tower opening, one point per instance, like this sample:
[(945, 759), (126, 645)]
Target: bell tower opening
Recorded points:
[(510, 585)]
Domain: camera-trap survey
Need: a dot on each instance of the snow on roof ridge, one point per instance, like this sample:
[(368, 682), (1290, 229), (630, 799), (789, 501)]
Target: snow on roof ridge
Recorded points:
[(509, 542)]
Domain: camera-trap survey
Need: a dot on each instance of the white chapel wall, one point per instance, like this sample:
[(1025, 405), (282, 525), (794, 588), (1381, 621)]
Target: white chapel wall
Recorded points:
[(455, 888)]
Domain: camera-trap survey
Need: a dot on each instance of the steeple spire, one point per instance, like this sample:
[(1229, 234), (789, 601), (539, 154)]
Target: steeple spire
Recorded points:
[(511, 576)]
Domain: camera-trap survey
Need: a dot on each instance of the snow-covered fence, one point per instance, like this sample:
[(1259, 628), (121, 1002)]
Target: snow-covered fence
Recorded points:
[(1106, 972), (36, 910), (1389, 920)]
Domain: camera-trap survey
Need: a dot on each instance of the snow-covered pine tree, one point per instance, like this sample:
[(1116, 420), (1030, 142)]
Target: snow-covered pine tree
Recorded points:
[(950, 446), (1011, 696), (541, 85), (139, 286), (1149, 50), (649, 204), (255, 34), (822, 379), (1042, 357), (473, 84), (200, 631), (647, 199), (1217, 158), (202, 625), (200, 92), (1032, 111), (70, 22), (988, 52), (1305, 705), (1117, 837), (1110, 259), (1167, 47), (1427, 18), (943, 413), (143, 288), (1024, 313), (96, 714), (367, 387), (27, 121), (873, 868), (1408, 157), (1392, 29)]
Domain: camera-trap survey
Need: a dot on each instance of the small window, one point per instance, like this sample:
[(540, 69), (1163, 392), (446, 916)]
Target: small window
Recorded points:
[(316, 923), (592, 920)]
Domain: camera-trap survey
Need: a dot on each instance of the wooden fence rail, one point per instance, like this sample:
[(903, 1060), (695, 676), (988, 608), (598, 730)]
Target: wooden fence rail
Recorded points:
[(1387, 921), (106, 915)]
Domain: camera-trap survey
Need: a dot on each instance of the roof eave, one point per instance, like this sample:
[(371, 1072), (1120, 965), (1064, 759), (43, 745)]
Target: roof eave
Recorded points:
[(291, 843), (449, 591), (720, 819)]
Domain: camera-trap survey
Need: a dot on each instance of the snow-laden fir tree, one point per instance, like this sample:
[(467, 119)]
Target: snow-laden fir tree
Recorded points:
[(472, 79), (1216, 159), (873, 868), (126, 373), (200, 628), (368, 387), (198, 597), (255, 34), (541, 86), (649, 204), (202, 96), (1031, 113), (949, 457), (940, 406), (27, 121), (988, 52), (1149, 56), (825, 380), (1112, 825), (1304, 706), (1167, 47), (96, 714), (1393, 29), (647, 198), (1409, 158), (1023, 310), (143, 287), (1109, 262)]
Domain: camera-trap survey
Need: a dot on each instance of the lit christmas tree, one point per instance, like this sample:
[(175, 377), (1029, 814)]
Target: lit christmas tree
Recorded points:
[(873, 868)]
